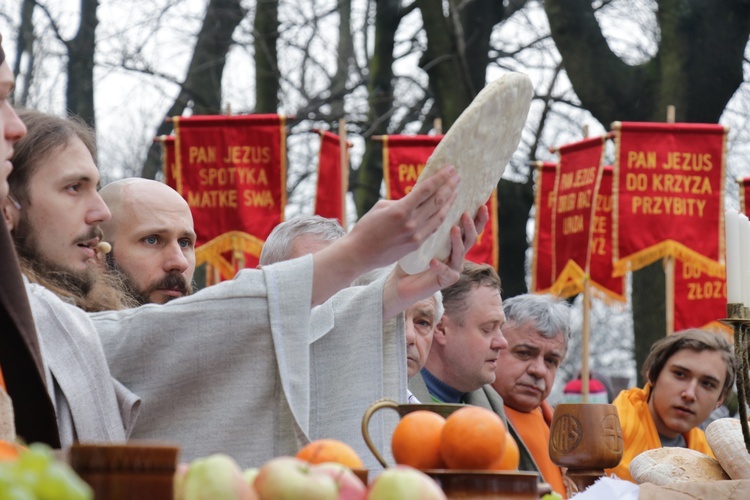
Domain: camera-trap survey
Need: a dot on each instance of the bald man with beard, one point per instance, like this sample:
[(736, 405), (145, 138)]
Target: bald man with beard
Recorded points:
[(152, 237)]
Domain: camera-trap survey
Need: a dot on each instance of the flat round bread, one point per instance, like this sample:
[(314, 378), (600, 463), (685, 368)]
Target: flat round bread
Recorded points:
[(665, 466), (724, 436), (479, 145)]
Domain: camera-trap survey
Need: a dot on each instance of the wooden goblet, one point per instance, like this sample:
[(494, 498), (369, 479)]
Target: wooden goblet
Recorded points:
[(585, 438)]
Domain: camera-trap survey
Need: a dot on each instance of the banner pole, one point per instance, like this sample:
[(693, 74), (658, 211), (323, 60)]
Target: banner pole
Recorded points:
[(437, 124), (743, 201), (671, 113), (669, 277), (585, 339), (344, 156), (669, 263)]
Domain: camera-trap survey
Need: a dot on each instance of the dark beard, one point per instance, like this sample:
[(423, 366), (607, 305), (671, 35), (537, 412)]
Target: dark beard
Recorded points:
[(78, 283), (143, 296)]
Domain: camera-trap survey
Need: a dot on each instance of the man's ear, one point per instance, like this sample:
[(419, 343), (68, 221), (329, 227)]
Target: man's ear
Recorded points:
[(440, 334), (10, 213), (721, 400)]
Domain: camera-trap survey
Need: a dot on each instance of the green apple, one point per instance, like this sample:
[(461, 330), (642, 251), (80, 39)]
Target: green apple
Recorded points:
[(289, 478), (404, 482), (217, 477)]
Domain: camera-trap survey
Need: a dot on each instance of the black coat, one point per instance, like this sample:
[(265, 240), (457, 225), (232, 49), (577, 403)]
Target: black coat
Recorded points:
[(20, 356)]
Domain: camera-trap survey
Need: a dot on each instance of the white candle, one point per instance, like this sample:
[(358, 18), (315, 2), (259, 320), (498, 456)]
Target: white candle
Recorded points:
[(745, 258), (734, 283)]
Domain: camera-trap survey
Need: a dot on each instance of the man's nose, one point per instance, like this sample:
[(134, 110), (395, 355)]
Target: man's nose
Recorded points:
[(537, 367), (98, 212), (15, 129), (499, 341), (411, 334), (175, 259), (688, 393)]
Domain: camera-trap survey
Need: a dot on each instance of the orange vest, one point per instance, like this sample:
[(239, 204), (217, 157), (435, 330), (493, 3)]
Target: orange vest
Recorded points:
[(534, 432), (639, 432)]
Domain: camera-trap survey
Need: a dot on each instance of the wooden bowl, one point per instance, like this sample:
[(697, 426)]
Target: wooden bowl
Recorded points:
[(362, 474), (487, 484), (137, 470)]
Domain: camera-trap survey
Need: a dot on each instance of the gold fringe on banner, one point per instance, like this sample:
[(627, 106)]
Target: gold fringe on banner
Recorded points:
[(569, 282), (667, 248), (236, 242), (610, 298), (598, 291), (386, 167)]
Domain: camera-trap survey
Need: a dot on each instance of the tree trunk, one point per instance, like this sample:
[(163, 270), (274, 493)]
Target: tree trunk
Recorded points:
[(458, 51), (202, 83), (445, 61), (267, 77), (25, 45), (649, 311), (456, 61), (514, 202), (698, 68), (79, 94), (344, 59), (380, 91)]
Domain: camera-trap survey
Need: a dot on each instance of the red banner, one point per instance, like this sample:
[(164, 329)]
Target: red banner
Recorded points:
[(744, 183), (544, 200), (601, 243), (669, 195), (333, 178), (699, 299), (232, 172), (576, 188), (168, 164), (404, 157)]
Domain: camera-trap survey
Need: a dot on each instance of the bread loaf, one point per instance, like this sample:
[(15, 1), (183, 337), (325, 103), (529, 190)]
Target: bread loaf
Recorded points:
[(665, 466), (724, 436), (479, 145)]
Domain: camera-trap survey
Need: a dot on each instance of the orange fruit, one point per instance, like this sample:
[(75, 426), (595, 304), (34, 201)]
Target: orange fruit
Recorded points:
[(416, 440), (330, 450), (8, 451), (511, 456), (473, 438)]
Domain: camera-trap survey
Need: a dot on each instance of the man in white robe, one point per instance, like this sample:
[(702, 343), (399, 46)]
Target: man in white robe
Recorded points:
[(229, 368)]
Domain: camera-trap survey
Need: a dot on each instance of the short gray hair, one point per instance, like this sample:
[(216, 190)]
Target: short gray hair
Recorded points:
[(279, 243), (550, 314)]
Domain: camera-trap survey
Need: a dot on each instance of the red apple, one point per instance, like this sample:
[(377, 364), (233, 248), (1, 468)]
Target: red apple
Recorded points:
[(289, 478), (404, 482), (217, 477), (350, 487)]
